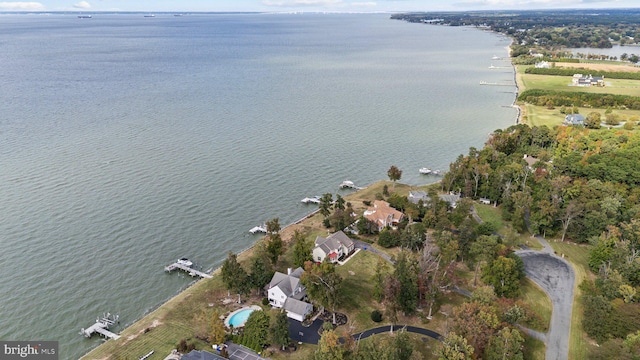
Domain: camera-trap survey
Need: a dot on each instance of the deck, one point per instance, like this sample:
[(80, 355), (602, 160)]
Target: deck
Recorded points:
[(100, 326)]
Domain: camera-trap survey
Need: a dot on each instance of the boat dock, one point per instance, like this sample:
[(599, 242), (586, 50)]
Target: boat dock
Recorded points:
[(258, 229), (101, 325), (311, 200), (349, 185), (191, 271)]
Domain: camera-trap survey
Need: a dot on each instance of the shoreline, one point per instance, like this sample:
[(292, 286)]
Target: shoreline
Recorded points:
[(151, 319), (515, 81)]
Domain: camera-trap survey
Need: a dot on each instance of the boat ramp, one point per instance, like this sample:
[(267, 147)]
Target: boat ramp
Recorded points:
[(191, 271), (101, 327)]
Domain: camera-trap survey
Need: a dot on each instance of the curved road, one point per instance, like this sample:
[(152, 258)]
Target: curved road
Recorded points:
[(556, 277)]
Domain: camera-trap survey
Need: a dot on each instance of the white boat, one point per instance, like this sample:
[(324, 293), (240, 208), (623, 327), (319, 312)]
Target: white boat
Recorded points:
[(258, 229), (311, 200), (347, 184), (425, 171), (185, 262)]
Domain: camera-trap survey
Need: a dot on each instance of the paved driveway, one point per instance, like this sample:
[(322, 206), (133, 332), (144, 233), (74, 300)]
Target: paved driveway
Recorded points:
[(557, 278)]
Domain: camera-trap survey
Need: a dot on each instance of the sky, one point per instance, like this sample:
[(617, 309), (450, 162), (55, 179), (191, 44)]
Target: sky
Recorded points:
[(307, 5)]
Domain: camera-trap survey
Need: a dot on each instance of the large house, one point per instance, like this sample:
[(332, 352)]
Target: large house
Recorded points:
[(285, 291), (335, 246), (416, 195), (573, 119), (450, 198), (383, 215), (587, 80)]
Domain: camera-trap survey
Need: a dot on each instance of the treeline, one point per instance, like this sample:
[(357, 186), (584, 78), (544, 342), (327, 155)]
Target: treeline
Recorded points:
[(582, 99), (581, 185), (571, 71)]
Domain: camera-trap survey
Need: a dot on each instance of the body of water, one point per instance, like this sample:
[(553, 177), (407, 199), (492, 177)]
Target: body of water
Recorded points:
[(128, 142)]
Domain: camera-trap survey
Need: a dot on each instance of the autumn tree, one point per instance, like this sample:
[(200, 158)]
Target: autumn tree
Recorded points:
[(329, 347), (394, 174), (454, 347), (477, 323), (217, 333), (323, 285)]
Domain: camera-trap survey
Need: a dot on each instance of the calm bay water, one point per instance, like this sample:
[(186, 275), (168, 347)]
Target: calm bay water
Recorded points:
[(127, 142)]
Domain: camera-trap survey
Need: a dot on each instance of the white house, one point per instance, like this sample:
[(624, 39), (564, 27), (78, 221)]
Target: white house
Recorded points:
[(286, 291), (335, 246)]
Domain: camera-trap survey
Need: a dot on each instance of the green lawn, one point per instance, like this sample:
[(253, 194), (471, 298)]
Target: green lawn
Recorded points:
[(563, 83), (578, 256), (540, 115), (534, 349), (539, 302)]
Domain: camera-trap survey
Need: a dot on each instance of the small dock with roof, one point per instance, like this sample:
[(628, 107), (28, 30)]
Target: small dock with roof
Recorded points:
[(101, 327), (185, 265)]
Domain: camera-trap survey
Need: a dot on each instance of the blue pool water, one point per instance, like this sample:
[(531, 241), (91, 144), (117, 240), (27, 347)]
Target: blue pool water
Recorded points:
[(239, 318)]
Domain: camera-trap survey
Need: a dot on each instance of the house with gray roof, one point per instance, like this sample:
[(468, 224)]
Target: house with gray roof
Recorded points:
[(416, 195), (573, 119), (587, 80), (286, 291), (451, 198), (201, 355), (335, 246)]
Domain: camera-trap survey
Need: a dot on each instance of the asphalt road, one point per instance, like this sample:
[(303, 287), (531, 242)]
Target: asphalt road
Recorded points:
[(556, 277)]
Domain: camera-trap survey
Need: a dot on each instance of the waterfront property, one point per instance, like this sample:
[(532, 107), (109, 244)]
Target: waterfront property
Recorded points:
[(335, 247), (383, 215), (451, 198), (285, 291), (416, 195), (239, 317), (101, 325), (185, 265), (587, 80)]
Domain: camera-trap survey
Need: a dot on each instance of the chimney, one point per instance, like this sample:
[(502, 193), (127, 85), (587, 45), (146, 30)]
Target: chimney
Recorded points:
[(288, 271)]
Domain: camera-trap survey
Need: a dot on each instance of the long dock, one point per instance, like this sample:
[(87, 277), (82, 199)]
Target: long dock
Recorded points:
[(190, 271), (100, 326)]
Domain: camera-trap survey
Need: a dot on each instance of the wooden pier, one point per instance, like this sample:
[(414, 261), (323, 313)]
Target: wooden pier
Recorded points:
[(191, 271), (101, 325)]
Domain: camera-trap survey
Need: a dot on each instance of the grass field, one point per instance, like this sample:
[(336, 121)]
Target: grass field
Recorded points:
[(538, 301), (540, 115), (533, 349), (563, 83), (577, 255)]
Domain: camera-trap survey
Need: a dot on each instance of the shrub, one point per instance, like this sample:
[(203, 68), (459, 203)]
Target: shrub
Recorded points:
[(265, 301), (376, 316)]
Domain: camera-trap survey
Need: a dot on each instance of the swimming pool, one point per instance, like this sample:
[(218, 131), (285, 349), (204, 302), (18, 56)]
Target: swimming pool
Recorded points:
[(239, 317)]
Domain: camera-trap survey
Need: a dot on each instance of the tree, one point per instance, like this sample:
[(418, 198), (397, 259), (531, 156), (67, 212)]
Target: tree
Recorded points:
[(477, 323), (261, 272), (455, 347), (326, 202), (233, 275), (257, 328), (329, 347), (394, 174), (323, 285), (593, 120), (301, 249), (482, 251), (275, 245), (339, 203), (406, 272), (217, 333), (378, 279), (280, 330), (506, 345), (504, 275), (573, 210)]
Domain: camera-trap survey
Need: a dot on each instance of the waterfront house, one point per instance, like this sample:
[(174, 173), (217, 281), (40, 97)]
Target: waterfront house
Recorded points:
[(383, 215), (450, 198), (335, 246), (415, 196), (286, 291)]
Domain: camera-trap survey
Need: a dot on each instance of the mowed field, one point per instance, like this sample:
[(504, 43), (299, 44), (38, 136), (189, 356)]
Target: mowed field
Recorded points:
[(539, 115)]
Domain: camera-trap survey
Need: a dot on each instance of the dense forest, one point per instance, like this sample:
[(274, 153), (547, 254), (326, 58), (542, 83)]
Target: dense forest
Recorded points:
[(579, 185)]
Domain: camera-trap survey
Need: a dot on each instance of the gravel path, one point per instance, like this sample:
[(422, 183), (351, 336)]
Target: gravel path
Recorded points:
[(557, 278)]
